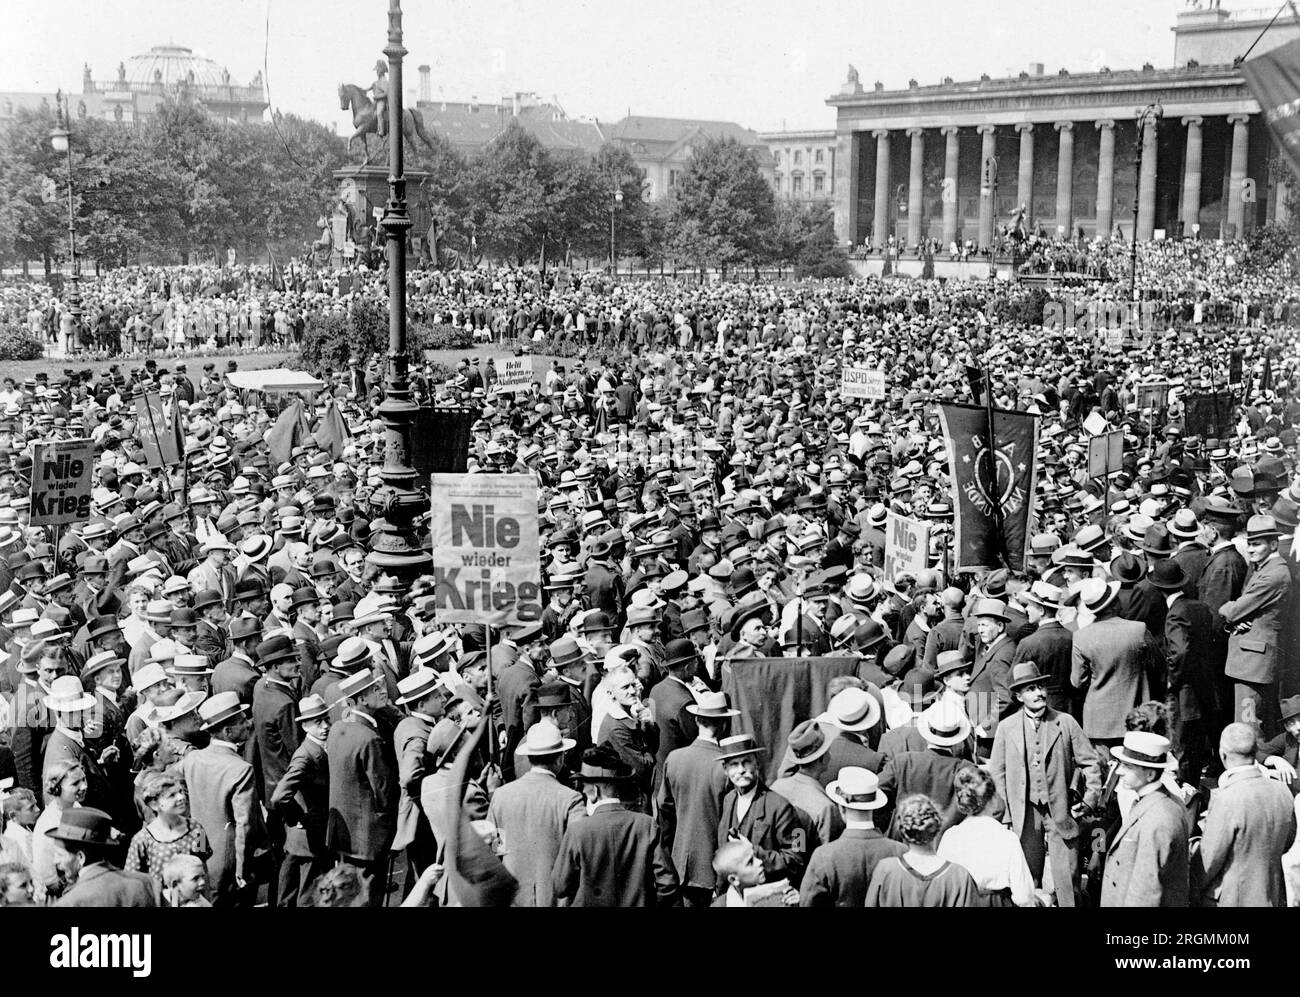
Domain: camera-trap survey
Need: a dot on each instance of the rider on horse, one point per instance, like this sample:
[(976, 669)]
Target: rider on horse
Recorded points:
[(379, 90)]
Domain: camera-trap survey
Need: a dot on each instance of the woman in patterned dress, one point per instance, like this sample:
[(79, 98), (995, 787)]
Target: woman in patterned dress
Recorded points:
[(171, 832)]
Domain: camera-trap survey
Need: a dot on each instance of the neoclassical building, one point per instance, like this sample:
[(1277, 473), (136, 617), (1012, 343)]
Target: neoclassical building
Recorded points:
[(955, 160)]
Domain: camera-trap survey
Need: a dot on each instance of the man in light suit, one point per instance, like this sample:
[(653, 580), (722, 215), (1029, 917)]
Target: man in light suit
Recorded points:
[(71, 706), (1110, 660), (423, 695), (1038, 753), (690, 799), (532, 814), (1250, 824), (223, 798), (1147, 862), (214, 573), (363, 785), (1254, 621)]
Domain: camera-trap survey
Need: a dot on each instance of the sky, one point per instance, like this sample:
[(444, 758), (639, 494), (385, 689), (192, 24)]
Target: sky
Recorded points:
[(768, 64)]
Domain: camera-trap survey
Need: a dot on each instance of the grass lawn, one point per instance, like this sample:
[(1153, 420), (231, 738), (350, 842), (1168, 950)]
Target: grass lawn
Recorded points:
[(194, 362)]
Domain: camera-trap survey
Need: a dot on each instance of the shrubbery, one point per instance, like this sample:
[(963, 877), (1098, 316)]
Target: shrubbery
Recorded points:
[(334, 341), (18, 344)]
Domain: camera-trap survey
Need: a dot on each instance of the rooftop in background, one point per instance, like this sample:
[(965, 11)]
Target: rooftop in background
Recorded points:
[(660, 135), (471, 125)]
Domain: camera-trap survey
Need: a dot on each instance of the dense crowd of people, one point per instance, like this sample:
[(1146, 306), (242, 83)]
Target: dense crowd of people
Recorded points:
[(213, 695)]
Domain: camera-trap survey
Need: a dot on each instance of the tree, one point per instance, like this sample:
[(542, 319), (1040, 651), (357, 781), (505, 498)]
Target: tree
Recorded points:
[(723, 209), (509, 211), (30, 228)]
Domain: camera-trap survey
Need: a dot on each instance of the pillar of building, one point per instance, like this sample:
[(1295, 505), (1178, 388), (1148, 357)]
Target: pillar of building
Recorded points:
[(915, 188), (1025, 175), (1105, 176), (1236, 209), (949, 133), (846, 188), (1191, 213), (1280, 194), (880, 226), (1065, 178), (988, 148), (1146, 223)]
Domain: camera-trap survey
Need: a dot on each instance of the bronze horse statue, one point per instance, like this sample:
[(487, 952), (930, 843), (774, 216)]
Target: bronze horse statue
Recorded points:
[(365, 122)]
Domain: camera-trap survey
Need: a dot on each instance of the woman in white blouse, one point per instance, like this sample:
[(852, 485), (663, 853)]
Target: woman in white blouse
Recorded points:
[(986, 848)]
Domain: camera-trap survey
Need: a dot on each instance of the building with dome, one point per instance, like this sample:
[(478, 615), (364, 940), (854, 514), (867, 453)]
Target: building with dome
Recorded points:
[(142, 81)]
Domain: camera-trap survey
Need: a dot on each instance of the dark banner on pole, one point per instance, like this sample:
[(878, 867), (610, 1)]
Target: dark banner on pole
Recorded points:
[(774, 695), (980, 501), (1209, 416), (1274, 80), (440, 440)]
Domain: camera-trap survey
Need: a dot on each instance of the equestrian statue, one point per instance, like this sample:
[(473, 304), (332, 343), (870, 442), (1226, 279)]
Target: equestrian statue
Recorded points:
[(370, 117)]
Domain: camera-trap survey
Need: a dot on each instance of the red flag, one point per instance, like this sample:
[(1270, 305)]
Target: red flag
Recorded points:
[(332, 433), (1274, 80), (287, 432)]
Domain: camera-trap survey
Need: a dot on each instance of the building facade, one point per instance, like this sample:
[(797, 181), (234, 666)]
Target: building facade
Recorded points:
[(957, 160), (803, 164), (141, 84), (663, 147)]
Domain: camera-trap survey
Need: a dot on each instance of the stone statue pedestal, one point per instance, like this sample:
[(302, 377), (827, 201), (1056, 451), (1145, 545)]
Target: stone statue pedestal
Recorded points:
[(364, 189)]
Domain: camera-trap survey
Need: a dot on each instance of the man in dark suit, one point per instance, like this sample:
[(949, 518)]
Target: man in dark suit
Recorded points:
[(70, 706), (363, 785), (690, 798), (670, 698), (989, 699), (1111, 660), (306, 617), (275, 728), (238, 673), (514, 685), (1049, 645), (1147, 862), (840, 871), (211, 638), (1038, 755), (604, 585), (1283, 751), (753, 812), (613, 857), (1191, 555), (1250, 825), (1225, 568), (423, 696), (301, 801), (82, 849), (946, 730), (1255, 620), (1190, 645), (632, 732)]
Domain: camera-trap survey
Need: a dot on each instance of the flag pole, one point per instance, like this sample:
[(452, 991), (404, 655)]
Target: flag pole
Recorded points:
[(992, 467)]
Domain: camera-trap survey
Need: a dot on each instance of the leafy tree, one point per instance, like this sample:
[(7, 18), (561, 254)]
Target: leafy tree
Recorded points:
[(723, 209), (509, 212), (29, 227)]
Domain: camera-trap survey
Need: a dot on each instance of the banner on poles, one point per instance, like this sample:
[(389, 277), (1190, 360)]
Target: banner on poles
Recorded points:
[(907, 546), (61, 479), (156, 430), (1209, 415), (863, 382), (1153, 395), (1274, 80), (1106, 455), (515, 374), (981, 497), (485, 547)]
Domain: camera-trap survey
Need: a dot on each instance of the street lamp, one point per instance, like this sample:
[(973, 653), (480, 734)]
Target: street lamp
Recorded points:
[(59, 139), (394, 549), (614, 206), (1152, 113)]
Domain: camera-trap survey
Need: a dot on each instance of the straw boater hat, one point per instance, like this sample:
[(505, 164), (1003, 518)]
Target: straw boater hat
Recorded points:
[(68, 696), (857, 789), (1146, 749), (218, 709), (1097, 594), (852, 710), (414, 687), (944, 724), (544, 738), (738, 746), (312, 707), (712, 704)]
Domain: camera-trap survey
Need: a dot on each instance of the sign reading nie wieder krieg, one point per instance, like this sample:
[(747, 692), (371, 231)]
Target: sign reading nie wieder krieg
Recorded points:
[(485, 549), (907, 546), (515, 374), (862, 382), (61, 479)]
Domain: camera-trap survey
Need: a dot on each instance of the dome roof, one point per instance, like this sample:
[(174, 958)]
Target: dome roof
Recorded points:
[(175, 63)]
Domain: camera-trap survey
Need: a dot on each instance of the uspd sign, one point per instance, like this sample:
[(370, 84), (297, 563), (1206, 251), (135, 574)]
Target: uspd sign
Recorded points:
[(907, 546), (863, 382)]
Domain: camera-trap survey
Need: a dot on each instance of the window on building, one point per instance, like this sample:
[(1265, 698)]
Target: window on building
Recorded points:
[(776, 180), (817, 157), (672, 178), (796, 184), (776, 157), (819, 184), (798, 157)]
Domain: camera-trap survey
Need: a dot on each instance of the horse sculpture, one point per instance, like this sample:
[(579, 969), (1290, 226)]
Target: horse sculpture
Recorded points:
[(364, 120)]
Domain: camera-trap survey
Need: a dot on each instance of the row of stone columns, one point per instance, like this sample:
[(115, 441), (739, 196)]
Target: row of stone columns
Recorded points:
[(1191, 202)]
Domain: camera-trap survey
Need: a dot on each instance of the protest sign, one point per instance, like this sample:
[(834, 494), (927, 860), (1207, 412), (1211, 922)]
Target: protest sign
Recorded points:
[(1152, 395), (1106, 455), (907, 545), (863, 382), (61, 478), (157, 429), (515, 374), (485, 548)]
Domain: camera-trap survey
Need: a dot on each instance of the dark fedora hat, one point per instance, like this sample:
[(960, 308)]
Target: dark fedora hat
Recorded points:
[(1025, 673), (680, 652), (1168, 575), (82, 826), (1128, 568)]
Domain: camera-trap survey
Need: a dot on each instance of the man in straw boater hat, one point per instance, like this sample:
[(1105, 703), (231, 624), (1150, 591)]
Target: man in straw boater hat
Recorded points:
[(690, 798), (301, 799), (931, 772), (1147, 862), (754, 813), (532, 814), (612, 858), (84, 840), (223, 798), (1254, 622), (1038, 755), (423, 694), (1110, 663), (839, 871)]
